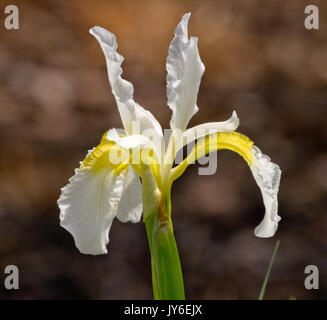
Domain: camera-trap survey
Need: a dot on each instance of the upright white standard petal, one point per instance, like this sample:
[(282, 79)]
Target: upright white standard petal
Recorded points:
[(123, 90), (184, 72), (267, 175)]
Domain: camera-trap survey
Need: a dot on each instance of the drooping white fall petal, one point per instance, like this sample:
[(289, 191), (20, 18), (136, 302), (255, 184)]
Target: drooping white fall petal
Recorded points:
[(130, 205), (89, 203), (267, 176), (122, 89), (184, 72)]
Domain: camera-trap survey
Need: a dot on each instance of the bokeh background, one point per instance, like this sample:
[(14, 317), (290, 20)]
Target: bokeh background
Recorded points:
[(55, 103)]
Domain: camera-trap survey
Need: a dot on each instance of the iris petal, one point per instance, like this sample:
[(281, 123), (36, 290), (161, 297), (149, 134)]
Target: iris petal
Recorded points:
[(122, 89), (266, 173), (204, 129), (184, 73), (92, 199), (88, 205), (267, 176)]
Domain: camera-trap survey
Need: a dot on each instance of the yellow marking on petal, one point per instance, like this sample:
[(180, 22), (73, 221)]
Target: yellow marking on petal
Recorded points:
[(99, 160), (234, 141), (109, 154)]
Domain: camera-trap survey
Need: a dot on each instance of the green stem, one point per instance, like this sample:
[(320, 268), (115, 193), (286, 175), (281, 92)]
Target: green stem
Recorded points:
[(167, 277), (154, 282)]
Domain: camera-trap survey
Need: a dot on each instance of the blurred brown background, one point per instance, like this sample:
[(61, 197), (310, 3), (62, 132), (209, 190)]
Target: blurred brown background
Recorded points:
[(55, 103)]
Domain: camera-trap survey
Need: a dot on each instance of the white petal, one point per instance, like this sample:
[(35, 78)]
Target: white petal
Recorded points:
[(88, 205), (129, 142), (123, 90), (130, 205), (267, 175), (184, 72), (209, 128)]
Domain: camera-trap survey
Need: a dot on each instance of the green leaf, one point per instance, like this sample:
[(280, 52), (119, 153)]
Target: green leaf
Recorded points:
[(264, 285)]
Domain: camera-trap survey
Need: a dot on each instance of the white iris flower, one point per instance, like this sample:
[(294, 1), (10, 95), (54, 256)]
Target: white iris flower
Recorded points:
[(107, 184)]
